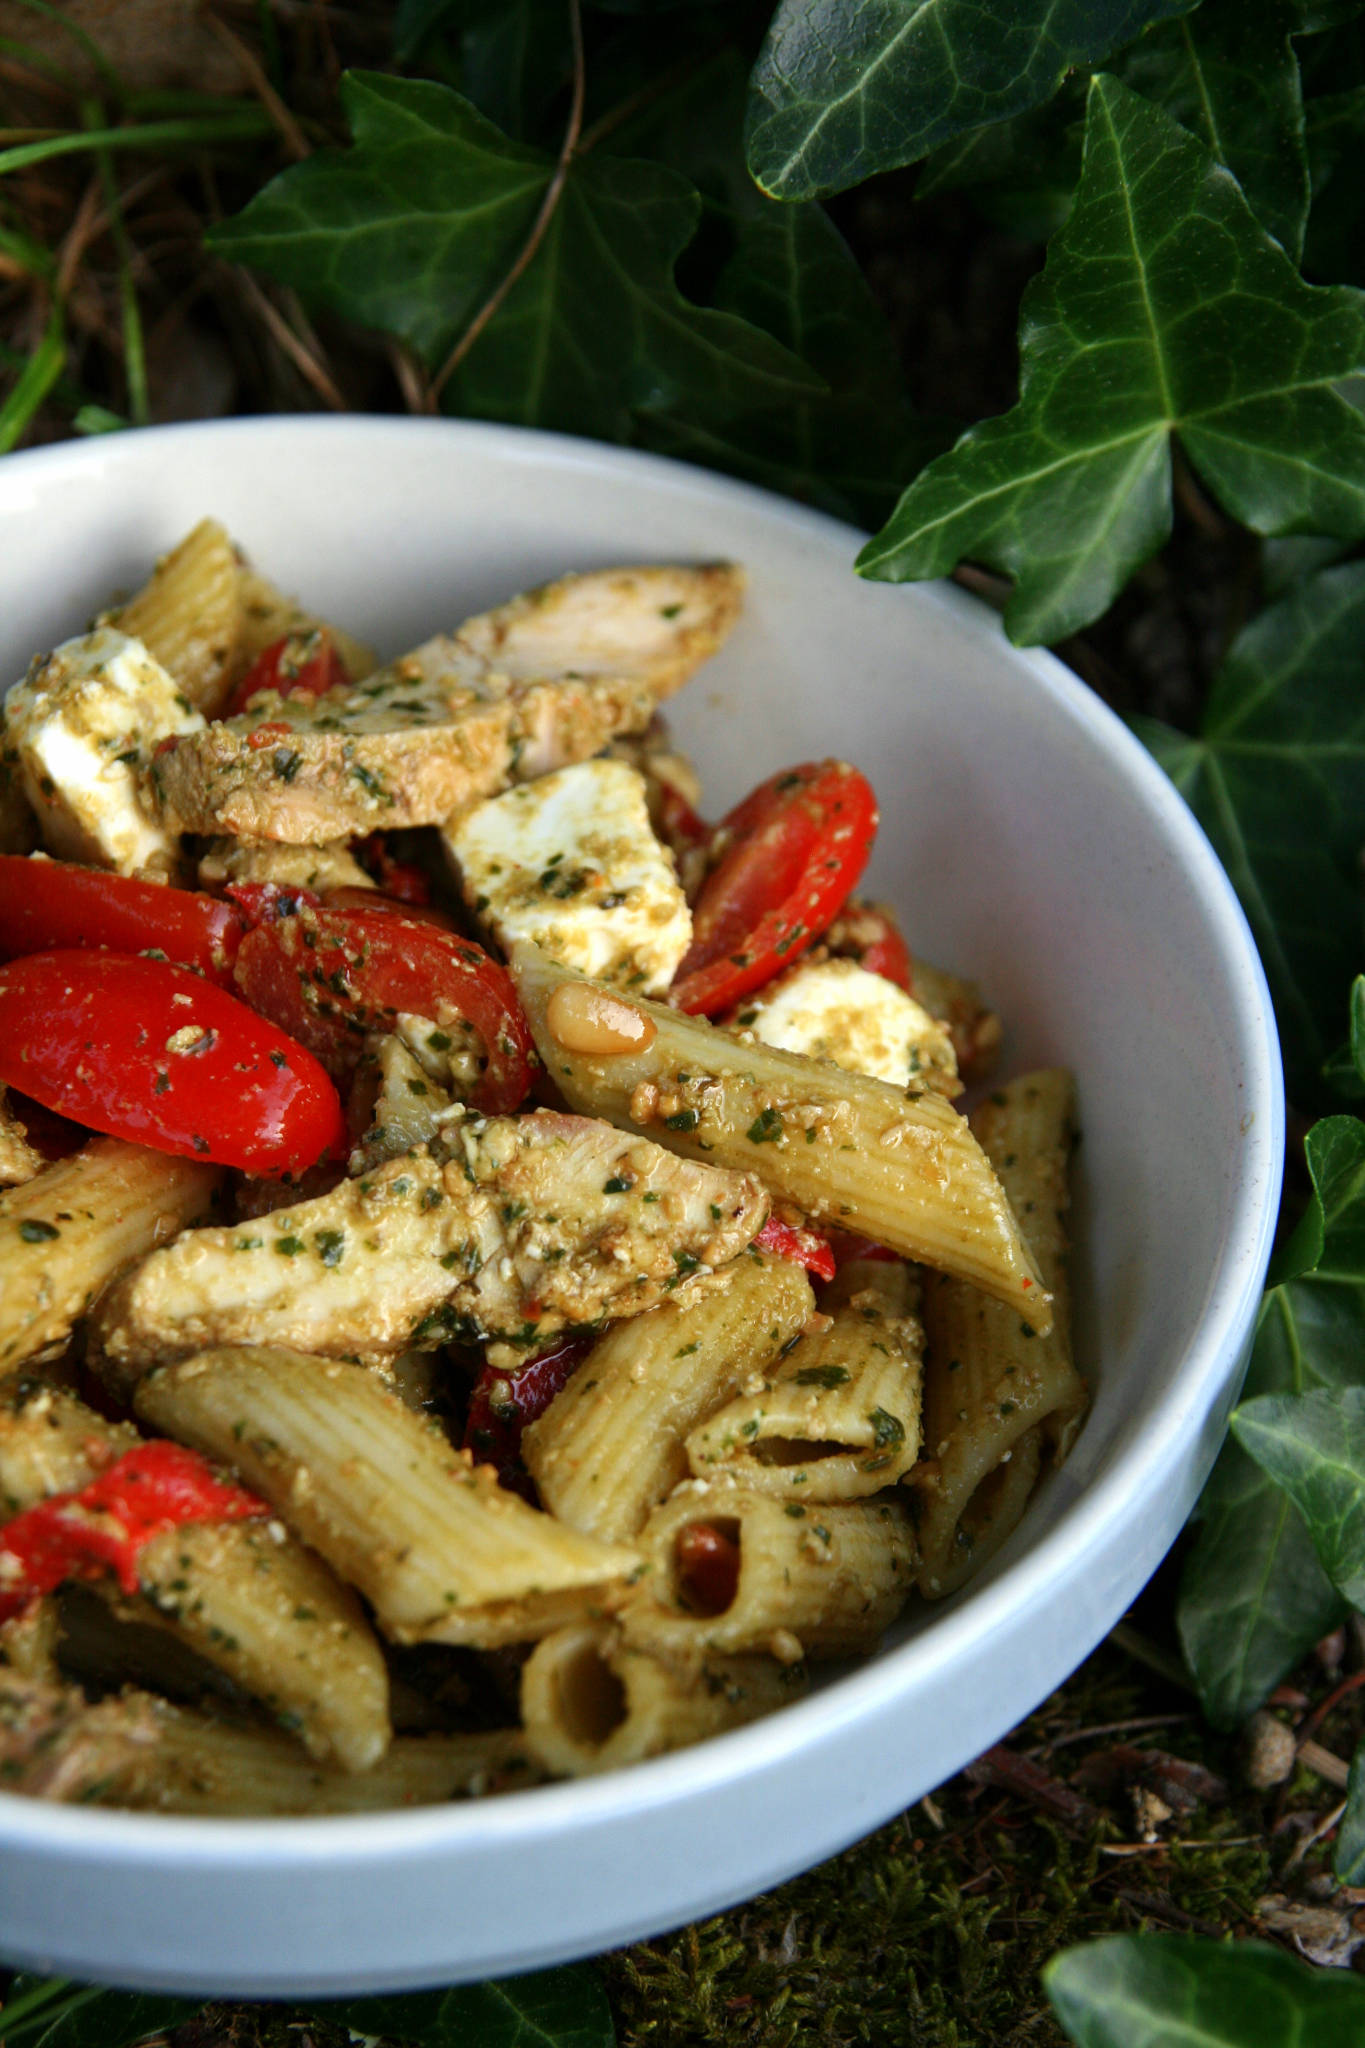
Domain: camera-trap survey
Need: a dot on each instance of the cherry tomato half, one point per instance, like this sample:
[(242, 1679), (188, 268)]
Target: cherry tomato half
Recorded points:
[(793, 850), (870, 935), (329, 976), (53, 903), (708, 1567), (152, 1053), (299, 665)]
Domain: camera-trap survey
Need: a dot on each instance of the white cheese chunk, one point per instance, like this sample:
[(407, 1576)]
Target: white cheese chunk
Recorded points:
[(836, 1010), (83, 725), (570, 862)]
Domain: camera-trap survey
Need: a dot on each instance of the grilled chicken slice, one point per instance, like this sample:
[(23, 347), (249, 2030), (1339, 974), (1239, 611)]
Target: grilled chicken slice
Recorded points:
[(55, 1745), (525, 1225), (544, 681)]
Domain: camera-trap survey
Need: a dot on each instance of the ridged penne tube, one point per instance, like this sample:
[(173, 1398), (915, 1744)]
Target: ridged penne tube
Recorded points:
[(839, 1418), (440, 1550), (591, 1702), (900, 1168), (267, 615), (991, 1376), (609, 1447), (189, 615), (201, 1765), (973, 1026), (244, 1595), (66, 1232), (817, 1582)]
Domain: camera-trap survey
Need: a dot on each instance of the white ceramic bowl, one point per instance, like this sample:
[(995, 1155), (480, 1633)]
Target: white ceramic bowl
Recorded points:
[(1031, 841)]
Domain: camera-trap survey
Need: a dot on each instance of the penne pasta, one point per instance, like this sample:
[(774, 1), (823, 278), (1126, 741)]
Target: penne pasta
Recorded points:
[(993, 1380), (189, 615), (610, 1447), (837, 1418), (243, 1595), (821, 1582), (903, 1169), (438, 1548), (66, 1232), (591, 1702)]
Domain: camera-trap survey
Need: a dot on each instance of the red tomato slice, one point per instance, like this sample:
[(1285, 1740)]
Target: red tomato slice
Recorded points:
[(329, 976), (503, 1403), (299, 665), (866, 933), (806, 1247), (793, 850), (708, 1567), (157, 1055), (349, 897), (104, 1526), (53, 903)]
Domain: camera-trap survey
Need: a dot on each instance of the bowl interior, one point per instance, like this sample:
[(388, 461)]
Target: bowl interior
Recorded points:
[(1027, 840)]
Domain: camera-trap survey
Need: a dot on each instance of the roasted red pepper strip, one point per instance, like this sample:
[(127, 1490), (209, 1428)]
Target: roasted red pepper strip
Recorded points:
[(150, 1489), (806, 1247), (401, 879), (53, 903), (708, 1567), (846, 1247), (299, 665), (503, 1403), (792, 852), (330, 976), (155, 1054)]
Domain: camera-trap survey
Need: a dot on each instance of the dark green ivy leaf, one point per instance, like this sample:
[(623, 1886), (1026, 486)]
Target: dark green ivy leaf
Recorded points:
[(1230, 73), (50, 2012), (1276, 776), (1254, 1596), (1163, 309), (549, 2009), (1348, 1858), (1345, 1070), (1176, 1991), (842, 89), (1313, 1445), (413, 229), (849, 447)]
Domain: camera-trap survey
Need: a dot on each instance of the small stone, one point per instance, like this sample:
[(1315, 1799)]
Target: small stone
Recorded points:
[(1270, 1751)]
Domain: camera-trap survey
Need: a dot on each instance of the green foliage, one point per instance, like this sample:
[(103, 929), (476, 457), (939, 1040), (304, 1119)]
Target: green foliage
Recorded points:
[(49, 2012), (1168, 1991), (1348, 1860), (1276, 776), (1313, 1446), (1163, 308), (842, 90), (548, 2009), (1255, 1595)]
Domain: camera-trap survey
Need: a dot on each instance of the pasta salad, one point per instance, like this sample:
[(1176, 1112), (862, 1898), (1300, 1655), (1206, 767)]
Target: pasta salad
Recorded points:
[(494, 1282)]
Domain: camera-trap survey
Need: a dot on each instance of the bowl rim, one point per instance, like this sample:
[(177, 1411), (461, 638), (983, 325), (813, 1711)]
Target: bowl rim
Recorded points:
[(1131, 1481)]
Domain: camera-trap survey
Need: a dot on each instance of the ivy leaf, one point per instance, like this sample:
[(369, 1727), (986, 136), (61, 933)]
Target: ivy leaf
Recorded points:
[(1313, 1445), (1276, 776), (549, 2009), (1163, 308), (1348, 1858), (414, 228), (1335, 129), (842, 89), (1254, 1596), (1230, 73), (849, 446), (1345, 1070), (51, 2012), (1176, 1991), (1021, 173)]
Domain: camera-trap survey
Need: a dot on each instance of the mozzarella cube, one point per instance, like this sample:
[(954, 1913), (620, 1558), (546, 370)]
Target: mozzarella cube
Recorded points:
[(835, 1010), (83, 725), (570, 862)]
